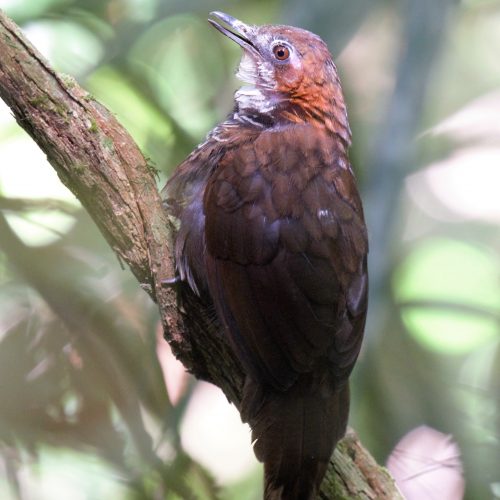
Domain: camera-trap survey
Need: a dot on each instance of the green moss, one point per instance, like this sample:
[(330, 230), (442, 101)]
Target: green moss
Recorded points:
[(9, 42), (41, 101), (108, 144), (68, 80), (93, 126), (79, 168), (44, 103), (61, 110), (151, 166)]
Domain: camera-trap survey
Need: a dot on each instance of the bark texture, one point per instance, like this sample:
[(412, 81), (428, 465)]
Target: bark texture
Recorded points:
[(99, 162)]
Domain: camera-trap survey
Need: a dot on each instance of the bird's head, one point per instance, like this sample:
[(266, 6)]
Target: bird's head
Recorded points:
[(289, 76)]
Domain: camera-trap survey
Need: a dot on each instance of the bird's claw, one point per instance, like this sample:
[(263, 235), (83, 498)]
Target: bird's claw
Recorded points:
[(171, 282)]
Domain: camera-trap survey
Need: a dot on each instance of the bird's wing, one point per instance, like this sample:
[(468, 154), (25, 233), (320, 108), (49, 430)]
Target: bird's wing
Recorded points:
[(183, 200), (286, 255)]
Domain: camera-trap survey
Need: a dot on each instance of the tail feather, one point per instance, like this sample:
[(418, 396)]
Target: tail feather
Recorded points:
[(294, 434)]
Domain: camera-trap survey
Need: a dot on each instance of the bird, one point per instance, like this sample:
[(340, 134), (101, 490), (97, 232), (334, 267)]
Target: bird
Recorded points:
[(271, 231)]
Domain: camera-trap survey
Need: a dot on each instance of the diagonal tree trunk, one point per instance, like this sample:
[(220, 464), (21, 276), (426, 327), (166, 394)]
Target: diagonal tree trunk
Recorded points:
[(99, 162)]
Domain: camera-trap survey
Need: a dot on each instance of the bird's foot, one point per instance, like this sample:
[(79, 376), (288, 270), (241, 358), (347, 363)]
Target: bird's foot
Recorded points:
[(171, 282)]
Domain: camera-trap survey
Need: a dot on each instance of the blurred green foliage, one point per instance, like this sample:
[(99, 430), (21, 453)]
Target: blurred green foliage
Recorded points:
[(82, 392)]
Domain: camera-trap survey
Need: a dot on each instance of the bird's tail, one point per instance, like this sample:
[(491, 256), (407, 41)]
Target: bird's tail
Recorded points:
[(294, 434)]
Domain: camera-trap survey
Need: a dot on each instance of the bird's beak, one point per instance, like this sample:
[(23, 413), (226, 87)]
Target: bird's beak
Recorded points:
[(239, 32)]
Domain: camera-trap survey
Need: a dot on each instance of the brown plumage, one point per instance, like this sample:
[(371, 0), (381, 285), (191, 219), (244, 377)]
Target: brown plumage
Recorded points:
[(272, 232)]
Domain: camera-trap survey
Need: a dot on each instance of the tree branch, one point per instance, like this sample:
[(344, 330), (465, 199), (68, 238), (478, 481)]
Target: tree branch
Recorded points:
[(99, 162)]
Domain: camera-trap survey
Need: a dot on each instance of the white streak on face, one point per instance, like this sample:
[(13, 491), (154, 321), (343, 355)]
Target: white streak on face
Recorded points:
[(257, 95), (253, 98), (247, 70), (247, 119), (324, 213)]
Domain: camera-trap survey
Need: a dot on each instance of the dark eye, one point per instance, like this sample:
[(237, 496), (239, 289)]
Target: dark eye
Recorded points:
[(281, 52)]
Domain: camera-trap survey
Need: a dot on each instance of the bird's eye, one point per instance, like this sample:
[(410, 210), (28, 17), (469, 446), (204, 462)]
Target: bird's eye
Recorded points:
[(281, 52)]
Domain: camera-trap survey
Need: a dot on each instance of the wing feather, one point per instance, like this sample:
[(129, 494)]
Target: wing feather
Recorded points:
[(286, 257)]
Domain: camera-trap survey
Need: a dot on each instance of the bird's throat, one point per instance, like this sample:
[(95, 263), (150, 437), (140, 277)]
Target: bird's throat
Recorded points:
[(263, 107)]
